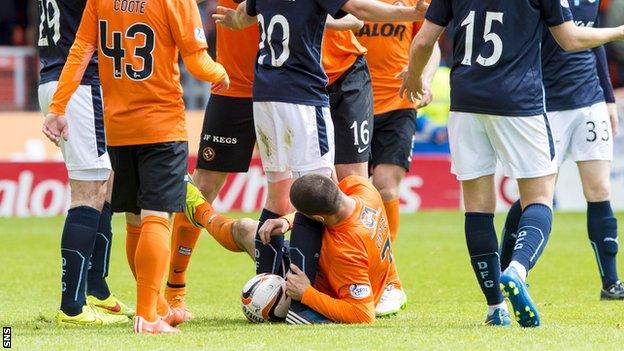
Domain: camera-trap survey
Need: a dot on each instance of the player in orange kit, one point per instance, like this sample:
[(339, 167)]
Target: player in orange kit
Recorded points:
[(226, 146), (356, 263), (395, 118), (138, 49)]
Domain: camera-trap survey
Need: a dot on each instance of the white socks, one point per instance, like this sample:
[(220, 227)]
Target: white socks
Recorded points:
[(522, 272)]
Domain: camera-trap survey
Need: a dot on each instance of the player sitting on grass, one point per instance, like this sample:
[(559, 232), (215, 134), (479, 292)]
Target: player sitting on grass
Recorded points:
[(356, 265)]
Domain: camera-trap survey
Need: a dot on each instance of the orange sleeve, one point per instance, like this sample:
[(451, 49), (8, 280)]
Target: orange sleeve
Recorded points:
[(186, 26), (78, 59), (337, 310), (348, 275), (203, 67)]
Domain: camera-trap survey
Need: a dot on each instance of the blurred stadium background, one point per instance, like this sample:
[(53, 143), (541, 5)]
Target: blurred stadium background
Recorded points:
[(33, 180)]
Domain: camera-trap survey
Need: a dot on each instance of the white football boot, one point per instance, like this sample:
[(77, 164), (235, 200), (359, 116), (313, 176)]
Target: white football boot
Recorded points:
[(392, 301)]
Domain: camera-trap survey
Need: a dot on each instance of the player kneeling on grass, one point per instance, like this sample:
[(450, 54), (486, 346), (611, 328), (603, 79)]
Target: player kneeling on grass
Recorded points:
[(356, 265)]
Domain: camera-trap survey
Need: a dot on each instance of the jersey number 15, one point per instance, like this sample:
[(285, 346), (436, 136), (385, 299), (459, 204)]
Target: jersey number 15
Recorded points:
[(488, 36), (117, 52)]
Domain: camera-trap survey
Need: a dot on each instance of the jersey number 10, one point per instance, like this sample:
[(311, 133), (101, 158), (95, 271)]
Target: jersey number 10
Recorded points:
[(117, 52), (49, 22), (488, 36)]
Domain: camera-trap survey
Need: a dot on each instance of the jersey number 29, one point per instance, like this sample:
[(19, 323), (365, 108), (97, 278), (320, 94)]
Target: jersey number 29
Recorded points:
[(266, 33), (488, 36), (117, 52)]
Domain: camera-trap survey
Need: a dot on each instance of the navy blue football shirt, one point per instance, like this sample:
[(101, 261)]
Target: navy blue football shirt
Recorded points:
[(288, 67), (496, 52), (571, 78), (58, 23)]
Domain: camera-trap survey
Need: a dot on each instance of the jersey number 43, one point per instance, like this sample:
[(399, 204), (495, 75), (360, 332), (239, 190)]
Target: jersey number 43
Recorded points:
[(117, 53)]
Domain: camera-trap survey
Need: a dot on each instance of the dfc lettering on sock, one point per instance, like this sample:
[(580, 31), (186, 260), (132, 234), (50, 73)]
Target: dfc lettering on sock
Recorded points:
[(63, 271), (521, 237), (484, 273)]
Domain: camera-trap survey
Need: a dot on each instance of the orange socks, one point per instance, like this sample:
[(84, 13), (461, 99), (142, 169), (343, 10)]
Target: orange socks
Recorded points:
[(150, 261), (392, 211), (132, 239), (218, 225), (183, 240)]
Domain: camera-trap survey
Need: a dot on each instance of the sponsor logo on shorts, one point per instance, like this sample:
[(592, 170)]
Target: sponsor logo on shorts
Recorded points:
[(362, 149), (359, 291), (208, 153), (220, 139), (186, 251), (368, 217)]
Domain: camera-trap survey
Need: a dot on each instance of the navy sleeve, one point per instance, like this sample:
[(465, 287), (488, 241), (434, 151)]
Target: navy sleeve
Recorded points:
[(333, 7), (440, 12), (250, 7), (555, 12), (603, 74)]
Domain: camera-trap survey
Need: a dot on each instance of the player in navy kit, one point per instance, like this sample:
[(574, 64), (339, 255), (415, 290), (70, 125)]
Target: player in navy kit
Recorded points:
[(583, 117), (87, 237), (497, 111), (291, 111)]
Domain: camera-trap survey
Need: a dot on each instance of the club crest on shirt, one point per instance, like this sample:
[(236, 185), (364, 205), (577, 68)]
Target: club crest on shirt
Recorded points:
[(200, 36), (359, 291), (368, 217)]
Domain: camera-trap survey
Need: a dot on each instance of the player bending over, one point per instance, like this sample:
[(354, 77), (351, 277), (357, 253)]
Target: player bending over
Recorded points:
[(145, 125), (292, 119), (497, 111), (87, 236), (583, 116), (355, 265)]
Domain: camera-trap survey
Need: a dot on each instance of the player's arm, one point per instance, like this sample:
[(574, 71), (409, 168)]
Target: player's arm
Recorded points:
[(421, 52), (377, 11), (428, 74), (187, 31), (348, 22), (234, 19), (85, 44), (574, 38), (607, 87), (342, 310)]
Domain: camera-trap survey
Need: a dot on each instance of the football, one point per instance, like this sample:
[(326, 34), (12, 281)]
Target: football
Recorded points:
[(264, 299)]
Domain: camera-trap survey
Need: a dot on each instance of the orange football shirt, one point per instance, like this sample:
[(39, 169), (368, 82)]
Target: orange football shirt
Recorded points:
[(356, 262), (339, 52), (139, 42), (388, 47), (237, 51)]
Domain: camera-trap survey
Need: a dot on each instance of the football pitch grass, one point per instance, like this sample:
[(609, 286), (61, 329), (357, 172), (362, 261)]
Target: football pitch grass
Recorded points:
[(445, 310)]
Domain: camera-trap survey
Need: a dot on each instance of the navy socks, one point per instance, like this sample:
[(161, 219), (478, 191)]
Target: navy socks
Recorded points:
[(98, 270), (602, 230), (77, 244), (533, 233), (483, 249), (269, 257), (510, 234)]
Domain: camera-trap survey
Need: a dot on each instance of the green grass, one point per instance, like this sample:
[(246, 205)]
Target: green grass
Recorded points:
[(445, 309)]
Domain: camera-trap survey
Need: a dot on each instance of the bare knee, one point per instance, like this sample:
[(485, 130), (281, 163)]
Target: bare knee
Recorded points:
[(244, 233), (88, 193), (479, 194), (209, 183), (387, 179)]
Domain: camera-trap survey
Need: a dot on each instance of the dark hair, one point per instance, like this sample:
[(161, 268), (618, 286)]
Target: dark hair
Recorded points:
[(315, 194)]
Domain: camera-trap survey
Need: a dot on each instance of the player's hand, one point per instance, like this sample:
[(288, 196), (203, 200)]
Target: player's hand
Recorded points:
[(427, 96), (411, 88), (615, 121), (421, 9), (223, 85), (296, 283), (226, 17), (273, 227), (55, 127)]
